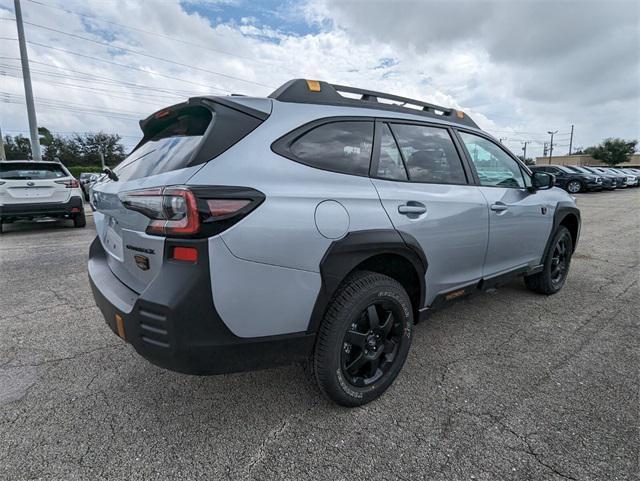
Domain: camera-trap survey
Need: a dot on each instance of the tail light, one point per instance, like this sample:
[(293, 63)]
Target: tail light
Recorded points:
[(69, 184), (191, 212)]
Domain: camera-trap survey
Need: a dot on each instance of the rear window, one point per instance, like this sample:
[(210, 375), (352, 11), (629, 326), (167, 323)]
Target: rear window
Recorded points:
[(185, 135), (343, 146), (31, 171)]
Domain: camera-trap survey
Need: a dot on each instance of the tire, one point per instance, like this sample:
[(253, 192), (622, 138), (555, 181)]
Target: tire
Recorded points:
[(550, 280), (574, 186), (363, 340), (79, 220)]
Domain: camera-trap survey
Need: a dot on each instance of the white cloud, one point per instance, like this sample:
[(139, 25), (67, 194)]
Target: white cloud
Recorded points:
[(516, 73)]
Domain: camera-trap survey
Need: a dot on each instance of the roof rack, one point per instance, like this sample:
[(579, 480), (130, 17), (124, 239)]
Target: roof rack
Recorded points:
[(320, 92)]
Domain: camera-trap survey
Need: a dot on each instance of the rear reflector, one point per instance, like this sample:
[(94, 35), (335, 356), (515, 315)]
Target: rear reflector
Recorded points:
[(222, 207), (120, 327), (187, 254)]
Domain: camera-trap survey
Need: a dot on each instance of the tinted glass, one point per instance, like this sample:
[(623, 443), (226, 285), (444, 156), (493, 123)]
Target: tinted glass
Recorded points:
[(338, 146), (171, 146), (495, 167), (429, 154), (30, 171), (390, 165)]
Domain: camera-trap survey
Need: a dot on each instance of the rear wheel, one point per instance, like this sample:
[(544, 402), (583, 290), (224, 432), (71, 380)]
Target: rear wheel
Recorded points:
[(364, 339), (556, 265), (574, 186), (79, 220)]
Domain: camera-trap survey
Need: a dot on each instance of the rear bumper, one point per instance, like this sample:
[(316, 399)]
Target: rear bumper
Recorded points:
[(72, 206), (174, 324)]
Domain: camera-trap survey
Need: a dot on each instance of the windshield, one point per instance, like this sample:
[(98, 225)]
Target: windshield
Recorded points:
[(564, 169), (30, 171), (581, 170)]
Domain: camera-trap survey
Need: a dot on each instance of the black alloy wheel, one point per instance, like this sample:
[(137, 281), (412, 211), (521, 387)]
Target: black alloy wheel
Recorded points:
[(371, 344), (559, 260)]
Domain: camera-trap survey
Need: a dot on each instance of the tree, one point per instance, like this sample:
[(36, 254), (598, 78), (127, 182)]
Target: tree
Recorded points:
[(613, 151), (17, 148), (80, 149)]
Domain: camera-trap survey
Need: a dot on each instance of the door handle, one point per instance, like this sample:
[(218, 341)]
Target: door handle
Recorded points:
[(412, 208), (499, 207)]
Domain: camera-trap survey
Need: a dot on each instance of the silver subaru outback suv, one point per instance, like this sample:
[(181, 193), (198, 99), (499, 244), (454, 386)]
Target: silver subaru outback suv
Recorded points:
[(319, 225)]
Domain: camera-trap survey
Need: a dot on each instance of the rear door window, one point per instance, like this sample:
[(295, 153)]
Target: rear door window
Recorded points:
[(390, 164), (429, 154), (341, 146), (30, 171)]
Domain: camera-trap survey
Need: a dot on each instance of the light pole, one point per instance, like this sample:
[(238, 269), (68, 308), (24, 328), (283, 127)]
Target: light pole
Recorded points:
[(551, 144), (28, 91), (524, 150)]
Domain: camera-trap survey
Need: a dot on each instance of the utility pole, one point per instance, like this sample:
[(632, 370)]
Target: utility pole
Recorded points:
[(3, 156), (571, 140), (551, 144), (524, 150), (102, 159), (28, 91)]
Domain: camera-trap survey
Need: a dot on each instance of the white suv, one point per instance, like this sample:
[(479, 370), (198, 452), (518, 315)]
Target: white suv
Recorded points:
[(31, 189)]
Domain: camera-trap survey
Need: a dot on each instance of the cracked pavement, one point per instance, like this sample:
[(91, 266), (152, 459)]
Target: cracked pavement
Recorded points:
[(509, 385)]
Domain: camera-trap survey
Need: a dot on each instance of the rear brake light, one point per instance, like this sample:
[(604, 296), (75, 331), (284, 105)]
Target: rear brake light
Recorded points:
[(172, 210), (69, 184), (187, 254), (182, 212)]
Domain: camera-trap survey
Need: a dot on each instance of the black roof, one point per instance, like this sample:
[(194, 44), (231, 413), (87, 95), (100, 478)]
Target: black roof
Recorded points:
[(320, 92)]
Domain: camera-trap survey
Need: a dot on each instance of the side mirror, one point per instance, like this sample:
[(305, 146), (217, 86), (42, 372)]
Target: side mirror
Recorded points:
[(543, 181)]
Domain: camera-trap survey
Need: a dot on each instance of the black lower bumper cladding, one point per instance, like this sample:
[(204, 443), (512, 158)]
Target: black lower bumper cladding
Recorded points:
[(72, 206), (174, 324)]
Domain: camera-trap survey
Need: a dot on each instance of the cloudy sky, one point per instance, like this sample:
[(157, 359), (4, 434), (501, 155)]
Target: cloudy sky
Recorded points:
[(519, 68)]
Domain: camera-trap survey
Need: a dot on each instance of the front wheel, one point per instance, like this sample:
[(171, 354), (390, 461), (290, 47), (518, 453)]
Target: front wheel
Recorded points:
[(364, 339), (556, 265), (574, 186)]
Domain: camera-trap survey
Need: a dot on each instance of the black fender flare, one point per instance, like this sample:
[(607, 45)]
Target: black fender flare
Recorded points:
[(345, 254), (563, 209)]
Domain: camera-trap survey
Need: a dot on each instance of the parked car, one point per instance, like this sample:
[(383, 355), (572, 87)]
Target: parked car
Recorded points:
[(311, 225), (570, 180), (620, 180), (632, 179), (86, 179), (32, 189), (608, 181)]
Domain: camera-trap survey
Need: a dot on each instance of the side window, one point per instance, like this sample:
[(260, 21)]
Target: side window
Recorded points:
[(429, 154), (390, 165), (494, 166), (338, 146)]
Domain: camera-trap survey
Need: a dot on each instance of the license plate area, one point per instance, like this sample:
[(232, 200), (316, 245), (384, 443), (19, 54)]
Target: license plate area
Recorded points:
[(112, 240)]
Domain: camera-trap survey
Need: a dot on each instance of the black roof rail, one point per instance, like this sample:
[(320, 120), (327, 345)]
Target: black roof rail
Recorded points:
[(320, 92)]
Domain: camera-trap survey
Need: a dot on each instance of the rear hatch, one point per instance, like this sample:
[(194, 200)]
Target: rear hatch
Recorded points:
[(32, 182), (176, 143)]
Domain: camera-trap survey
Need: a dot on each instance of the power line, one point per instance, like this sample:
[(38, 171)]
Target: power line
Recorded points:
[(147, 32), (131, 67), (96, 78), (142, 54)]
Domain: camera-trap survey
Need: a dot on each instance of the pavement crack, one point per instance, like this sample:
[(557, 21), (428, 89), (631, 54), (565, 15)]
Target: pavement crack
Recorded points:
[(59, 359)]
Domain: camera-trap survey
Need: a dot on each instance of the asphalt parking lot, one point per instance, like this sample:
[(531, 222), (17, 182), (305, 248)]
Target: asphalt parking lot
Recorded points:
[(506, 386)]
